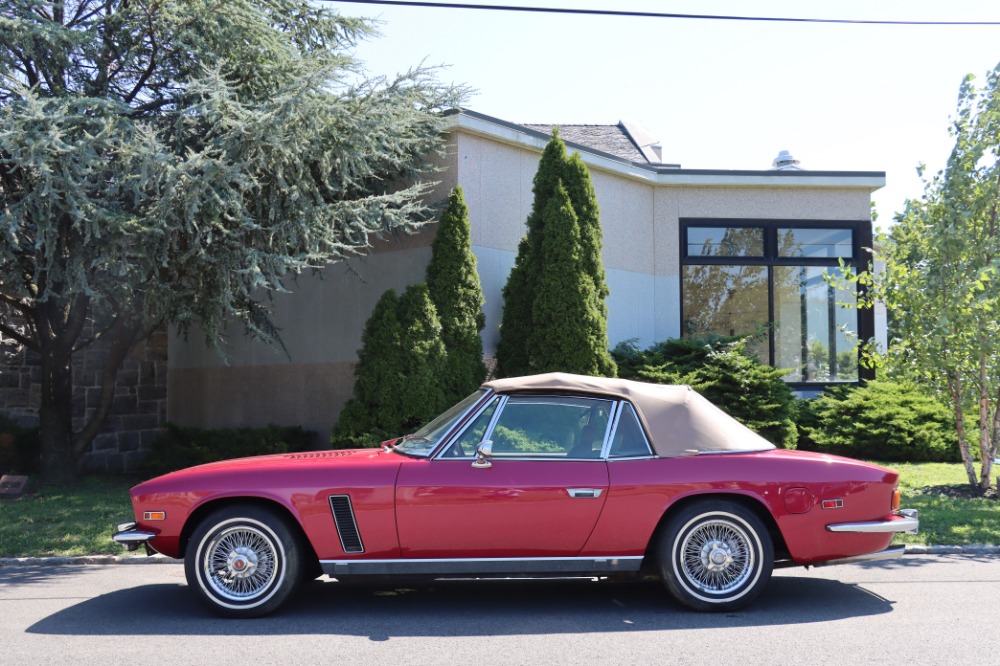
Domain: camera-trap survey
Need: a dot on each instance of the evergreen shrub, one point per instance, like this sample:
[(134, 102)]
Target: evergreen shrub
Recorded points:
[(179, 447), (398, 380), (882, 420)]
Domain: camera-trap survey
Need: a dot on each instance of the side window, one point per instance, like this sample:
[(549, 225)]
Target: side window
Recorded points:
[(629, 439), (465, 444), (551, 427)]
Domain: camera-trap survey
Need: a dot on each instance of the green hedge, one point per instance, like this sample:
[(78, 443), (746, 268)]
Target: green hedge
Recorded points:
[(177, 447), (890, 421)]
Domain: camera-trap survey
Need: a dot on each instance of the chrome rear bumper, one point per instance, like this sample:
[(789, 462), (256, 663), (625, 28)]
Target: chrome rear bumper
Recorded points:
[(906, 521), (130, 537), (887, 554)]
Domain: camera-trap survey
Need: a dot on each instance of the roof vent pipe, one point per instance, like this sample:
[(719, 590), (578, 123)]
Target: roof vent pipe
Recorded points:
[(785, 162)]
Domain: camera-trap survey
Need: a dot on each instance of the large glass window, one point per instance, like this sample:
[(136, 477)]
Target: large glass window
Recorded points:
[(766, 279)]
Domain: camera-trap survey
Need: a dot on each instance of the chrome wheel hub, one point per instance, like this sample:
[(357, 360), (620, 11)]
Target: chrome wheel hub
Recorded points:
[(716, 555), (242, 562)]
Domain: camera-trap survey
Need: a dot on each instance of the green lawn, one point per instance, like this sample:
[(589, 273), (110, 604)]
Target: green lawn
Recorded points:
[(945, 520), (79, 520), (66, 520)]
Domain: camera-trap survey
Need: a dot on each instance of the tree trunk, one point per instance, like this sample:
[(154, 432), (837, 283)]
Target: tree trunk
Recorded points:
[(985, 450), (56, 416), (955, 390)]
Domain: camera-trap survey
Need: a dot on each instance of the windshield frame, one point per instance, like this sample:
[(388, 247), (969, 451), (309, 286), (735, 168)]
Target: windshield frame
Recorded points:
[(425, 441)]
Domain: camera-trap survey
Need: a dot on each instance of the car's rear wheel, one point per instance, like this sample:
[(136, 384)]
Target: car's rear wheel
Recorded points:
[(243, 561), (715, 555)]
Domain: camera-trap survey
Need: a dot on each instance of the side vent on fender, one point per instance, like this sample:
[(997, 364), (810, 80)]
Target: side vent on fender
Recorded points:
[(347, 527)]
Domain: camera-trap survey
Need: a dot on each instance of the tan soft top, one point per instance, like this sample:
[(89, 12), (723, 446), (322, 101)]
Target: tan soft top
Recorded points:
[(678, 420)]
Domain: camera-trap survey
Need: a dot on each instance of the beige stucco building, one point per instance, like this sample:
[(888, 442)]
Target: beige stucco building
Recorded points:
[(685, 250)]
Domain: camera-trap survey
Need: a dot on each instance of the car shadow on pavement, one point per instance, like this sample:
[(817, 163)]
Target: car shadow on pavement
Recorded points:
[(460, 608)]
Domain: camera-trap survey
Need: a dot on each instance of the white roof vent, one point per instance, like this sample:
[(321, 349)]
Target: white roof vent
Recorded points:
[(785, 162)]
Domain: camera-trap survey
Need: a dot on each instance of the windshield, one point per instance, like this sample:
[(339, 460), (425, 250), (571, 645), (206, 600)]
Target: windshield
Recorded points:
[(425, 440)]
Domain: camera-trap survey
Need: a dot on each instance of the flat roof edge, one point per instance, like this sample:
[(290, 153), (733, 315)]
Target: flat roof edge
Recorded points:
[(662, 174)]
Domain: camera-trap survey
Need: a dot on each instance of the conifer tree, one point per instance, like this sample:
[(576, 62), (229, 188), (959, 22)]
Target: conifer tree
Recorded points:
[(567, 333), (375, 407), (422, 359), (173, 162), (518, 293), (397, 384), (522, 288), (458, 297)]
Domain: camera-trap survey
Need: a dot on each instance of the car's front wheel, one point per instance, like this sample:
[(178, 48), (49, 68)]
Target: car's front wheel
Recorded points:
[(243, 561), (715, 555)]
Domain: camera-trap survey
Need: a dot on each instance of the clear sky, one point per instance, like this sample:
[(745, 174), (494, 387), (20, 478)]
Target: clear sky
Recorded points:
[(718, 94)]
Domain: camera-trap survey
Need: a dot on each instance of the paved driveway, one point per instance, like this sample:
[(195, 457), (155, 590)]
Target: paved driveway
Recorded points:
[(917, 610)]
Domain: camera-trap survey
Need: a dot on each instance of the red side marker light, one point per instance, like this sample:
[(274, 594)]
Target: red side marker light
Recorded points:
[(833, 504)]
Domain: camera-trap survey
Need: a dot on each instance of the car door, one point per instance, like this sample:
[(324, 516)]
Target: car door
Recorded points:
[(540, 497)]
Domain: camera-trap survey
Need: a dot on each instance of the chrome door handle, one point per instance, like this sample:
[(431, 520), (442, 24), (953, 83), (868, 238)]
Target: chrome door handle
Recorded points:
[(589, 493)]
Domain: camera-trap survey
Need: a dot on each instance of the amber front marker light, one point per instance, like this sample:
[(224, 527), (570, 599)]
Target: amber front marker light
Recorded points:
[(896, 496), (154, 515)]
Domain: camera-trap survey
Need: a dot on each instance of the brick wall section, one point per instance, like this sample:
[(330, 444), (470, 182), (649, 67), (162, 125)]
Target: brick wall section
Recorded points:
[(138, 410)]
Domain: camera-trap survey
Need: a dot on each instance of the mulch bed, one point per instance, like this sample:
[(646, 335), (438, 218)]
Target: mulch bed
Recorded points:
[(960, 491)]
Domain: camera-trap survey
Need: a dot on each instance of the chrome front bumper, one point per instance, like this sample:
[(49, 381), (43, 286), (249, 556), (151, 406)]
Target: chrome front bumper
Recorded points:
[(127, 535), (906, 522)]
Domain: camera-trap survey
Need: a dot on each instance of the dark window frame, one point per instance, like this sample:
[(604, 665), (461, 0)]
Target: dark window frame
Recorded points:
[(862, 240)]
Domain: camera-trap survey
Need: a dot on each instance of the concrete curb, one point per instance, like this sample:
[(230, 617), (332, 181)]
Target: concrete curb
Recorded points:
[(160, 559)]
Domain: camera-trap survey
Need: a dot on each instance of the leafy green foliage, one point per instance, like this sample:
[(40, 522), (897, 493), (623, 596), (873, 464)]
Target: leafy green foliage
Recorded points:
[(882, 420), (398, 380), (178, 447), (723, 371), (454, 287), (178, 163), (939, 285), (529, 307)]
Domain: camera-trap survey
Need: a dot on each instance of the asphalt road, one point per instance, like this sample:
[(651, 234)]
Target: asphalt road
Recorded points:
[(916, 610)]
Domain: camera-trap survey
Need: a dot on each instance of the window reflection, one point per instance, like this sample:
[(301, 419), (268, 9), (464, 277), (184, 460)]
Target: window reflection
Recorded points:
[(815, 243), (725, 242), (726, 300), (809, 326)]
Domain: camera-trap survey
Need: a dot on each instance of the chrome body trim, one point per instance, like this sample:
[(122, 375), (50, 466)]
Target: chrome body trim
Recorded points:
[(907, 522), (485, 566), (887, 554), (130, 537)]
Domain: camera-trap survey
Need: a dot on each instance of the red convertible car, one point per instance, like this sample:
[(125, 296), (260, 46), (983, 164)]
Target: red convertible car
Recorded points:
[(547, 475)]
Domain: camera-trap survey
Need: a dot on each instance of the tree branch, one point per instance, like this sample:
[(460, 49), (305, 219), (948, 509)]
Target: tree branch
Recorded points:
[(21, 339), (152, 61)]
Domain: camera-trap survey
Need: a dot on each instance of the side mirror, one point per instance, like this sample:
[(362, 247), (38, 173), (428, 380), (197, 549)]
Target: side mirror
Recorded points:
[(485, 450)]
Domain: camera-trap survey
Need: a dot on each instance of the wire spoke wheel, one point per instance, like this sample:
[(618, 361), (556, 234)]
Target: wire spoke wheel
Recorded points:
[(715, 555), (243, 561)]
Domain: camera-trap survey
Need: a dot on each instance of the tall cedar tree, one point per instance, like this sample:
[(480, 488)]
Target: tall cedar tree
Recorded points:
[(397, 384), (454, 287), (567, 334), (173, 162), (521, 290)]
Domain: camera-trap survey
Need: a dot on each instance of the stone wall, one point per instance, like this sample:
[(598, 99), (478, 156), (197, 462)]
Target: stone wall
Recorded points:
[(138, 410)]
